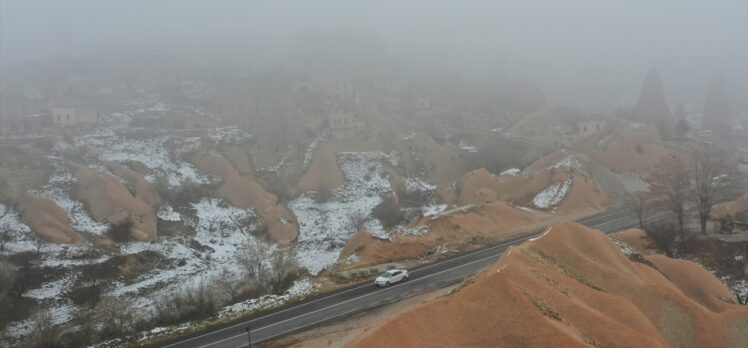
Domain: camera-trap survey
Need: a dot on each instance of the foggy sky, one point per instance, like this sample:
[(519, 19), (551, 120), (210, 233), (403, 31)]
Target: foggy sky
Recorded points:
[(590, 53)]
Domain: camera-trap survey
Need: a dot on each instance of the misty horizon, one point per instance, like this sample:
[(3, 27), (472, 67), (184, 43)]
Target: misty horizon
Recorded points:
[(586, 54)]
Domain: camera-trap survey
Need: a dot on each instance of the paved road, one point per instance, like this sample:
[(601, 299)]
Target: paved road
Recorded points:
[(362, 297)]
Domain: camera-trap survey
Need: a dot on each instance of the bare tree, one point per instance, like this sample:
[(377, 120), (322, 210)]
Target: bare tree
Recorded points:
[(283, 265), (5, 237), (230, 284), (45, 332), (7, 279), (663, 236), (252, 258), (116, 316), (38, 242), (712, 172), (638, 202), (358, 219), (670, 183)]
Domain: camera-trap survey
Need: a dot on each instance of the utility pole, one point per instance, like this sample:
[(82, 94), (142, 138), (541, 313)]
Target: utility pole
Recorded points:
[(249, 336)]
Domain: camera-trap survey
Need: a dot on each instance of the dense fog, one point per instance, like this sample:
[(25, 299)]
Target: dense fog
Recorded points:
[(586, 53)]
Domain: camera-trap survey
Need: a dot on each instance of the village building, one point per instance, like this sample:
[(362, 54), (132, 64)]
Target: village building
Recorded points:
[(344, 125), (74, 115), (587, 127)]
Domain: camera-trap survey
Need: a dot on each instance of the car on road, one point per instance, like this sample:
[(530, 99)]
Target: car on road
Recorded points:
[(391, 277)]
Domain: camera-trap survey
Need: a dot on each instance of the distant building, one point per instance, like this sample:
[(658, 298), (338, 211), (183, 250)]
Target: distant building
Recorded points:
[(74, 116), (343, 125), (584, 128)]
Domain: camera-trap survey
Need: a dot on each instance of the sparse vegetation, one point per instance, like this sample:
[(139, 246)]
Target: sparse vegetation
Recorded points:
[(121, 232), (388, 213)]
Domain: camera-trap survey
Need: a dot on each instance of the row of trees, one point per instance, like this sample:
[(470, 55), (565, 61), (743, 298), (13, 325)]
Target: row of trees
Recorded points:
[(702, 177)]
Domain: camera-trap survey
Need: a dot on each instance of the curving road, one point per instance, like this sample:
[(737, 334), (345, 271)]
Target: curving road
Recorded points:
[(364, 296)]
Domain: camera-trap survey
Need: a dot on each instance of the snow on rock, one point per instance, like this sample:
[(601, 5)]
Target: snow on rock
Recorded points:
[(311, 151), (433, 210), (58, 189), (413, 231), (228, 135), (167, 213), (511, 172), (325, 227), (19, 231), (415, 184), (458, 210), (465, 147), (569, 162), (552, 195), (121, 146)]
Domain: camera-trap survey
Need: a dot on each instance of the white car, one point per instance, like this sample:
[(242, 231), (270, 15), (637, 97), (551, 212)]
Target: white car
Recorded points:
[(390, 277)]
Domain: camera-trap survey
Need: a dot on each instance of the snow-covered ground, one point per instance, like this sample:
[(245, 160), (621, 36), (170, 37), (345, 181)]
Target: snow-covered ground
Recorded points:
[(122, 146), (325, 227), (552, 195), (217, 231)]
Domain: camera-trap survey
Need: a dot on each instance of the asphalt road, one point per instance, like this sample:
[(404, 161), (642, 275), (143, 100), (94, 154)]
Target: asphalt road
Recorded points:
[(364, 296)]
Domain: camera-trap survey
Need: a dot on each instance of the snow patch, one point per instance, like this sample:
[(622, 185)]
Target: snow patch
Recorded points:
[(552, 195), (511, 172)]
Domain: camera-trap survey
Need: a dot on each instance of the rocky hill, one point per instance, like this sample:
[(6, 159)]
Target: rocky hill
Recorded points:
[(575, 287)]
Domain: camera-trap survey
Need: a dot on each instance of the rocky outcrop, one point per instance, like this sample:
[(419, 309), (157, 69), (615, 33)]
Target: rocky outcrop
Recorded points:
[(574, 287), (625, 147), (323, 172), (244, 192), (47, 220), (576, 189), (652, 106), (139, 185), (109, 201)]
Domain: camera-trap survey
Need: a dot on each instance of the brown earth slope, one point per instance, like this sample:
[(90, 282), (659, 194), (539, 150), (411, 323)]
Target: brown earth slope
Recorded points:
[(584, 194), (737, 209), (323, 172), (453, 229), (108, 200), (625, 147), (243, 191), (574, 287), (47, 219)]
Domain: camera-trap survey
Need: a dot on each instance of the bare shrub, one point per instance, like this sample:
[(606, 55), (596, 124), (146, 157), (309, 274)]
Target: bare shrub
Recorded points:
[(324, 193), (670, 183), (45, 333), (116, 316), (5, 234), (663, 235), (252, 258), (121, 231), (358, 219), (230, 285), (283, 270), (7, 279), (712, 172), (186, 304), (388, 213), (638, 202)]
